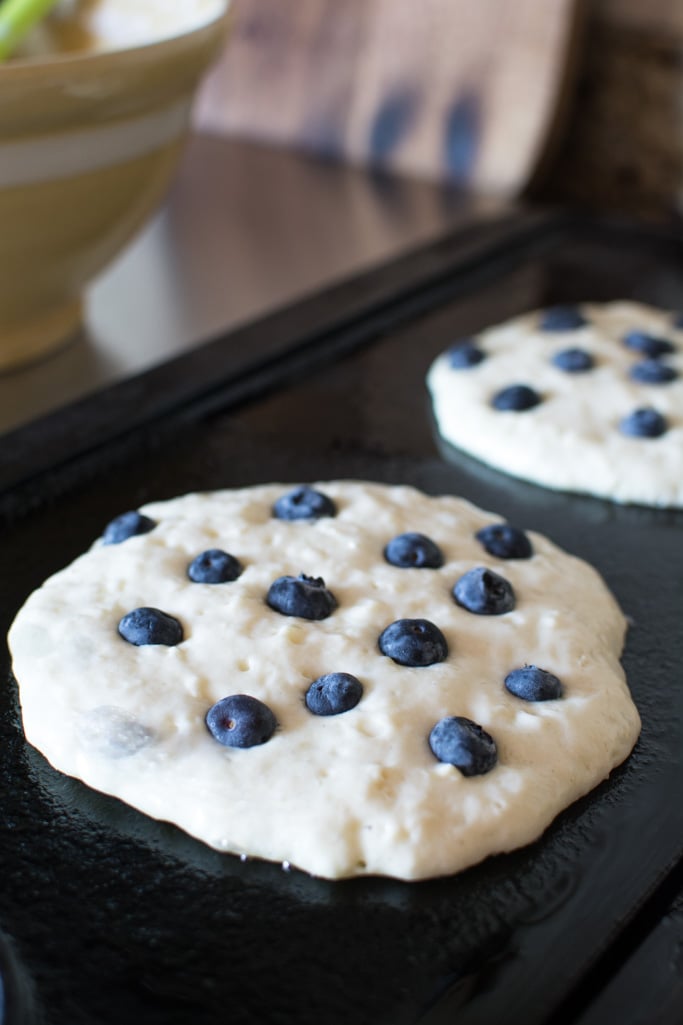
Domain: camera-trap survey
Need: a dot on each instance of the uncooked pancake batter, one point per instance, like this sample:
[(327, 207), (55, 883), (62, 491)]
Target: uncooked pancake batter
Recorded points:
[(586, 399), (349, 677)]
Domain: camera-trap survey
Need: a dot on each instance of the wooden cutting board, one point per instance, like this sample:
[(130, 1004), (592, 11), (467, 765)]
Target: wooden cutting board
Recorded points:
[(469, 91)]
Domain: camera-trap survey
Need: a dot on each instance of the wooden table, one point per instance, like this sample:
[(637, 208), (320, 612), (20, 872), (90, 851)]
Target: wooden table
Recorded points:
[(246, 229)]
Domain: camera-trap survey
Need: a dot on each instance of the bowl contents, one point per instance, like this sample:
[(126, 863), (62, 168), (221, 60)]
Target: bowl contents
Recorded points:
[(46, 27), (17, 19)]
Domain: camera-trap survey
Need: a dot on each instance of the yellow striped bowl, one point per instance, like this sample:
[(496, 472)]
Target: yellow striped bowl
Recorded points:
[(88, 144)]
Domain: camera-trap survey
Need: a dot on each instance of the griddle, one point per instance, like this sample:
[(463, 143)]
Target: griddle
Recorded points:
[(108, 916)]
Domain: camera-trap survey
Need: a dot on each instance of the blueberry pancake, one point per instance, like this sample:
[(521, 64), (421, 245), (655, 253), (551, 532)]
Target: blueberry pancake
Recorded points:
[(586, 399), (349, 677)]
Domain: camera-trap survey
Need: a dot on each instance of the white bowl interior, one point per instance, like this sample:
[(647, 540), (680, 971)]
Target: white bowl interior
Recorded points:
[(110, 25)]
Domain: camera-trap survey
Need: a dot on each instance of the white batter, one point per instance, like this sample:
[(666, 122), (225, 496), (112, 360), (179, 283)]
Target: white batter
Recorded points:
[(99, 25), (342, 795), (571, 441)]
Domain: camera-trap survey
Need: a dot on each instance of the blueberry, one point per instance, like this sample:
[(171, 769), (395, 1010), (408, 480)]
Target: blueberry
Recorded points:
[(302, 596), (644, 423), (562, 318), (533, 684), (127, 525), (240, 721), (464, 744), (505, 541), (573, 361), (649, 345), (413, 642), (516, 397), (651, 371), (465, 354), (484, 592), (413, 550), (333, 693), (150, 626), (214, 566), (303, 503)]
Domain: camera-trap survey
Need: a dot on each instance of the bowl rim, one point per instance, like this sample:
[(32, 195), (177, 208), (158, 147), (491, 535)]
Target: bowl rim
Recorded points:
[(25, 66)]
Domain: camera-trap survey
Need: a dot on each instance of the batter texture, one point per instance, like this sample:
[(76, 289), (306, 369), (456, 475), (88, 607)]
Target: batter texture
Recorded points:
[(574, 438), (356, 792)]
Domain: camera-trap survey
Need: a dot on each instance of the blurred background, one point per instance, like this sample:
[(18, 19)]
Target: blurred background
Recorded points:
[(331, 137), (572, 101)]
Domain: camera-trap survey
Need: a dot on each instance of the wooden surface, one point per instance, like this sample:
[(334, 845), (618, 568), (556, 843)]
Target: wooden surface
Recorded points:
[(663, 17), (623, 145), (444, 89), (228, 247)]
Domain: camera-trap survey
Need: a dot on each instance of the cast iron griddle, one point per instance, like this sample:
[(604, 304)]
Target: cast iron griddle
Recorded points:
[(113, 917)]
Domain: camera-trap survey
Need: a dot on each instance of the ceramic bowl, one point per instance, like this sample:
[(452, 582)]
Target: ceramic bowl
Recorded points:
[(88, 144)]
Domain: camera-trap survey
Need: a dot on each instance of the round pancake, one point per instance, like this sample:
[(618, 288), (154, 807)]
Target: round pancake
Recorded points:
[(363, 788), (590, 369)]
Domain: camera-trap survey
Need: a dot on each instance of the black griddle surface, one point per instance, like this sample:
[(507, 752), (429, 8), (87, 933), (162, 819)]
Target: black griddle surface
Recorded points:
[(113, 917)]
